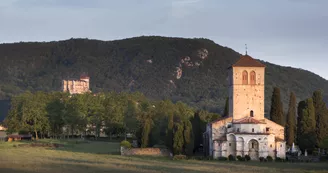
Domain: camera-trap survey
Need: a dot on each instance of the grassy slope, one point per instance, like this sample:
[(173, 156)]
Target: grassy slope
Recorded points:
[(102, 157)]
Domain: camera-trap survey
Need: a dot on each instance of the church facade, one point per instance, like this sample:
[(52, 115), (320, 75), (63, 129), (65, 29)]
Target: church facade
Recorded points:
[(245, 131)]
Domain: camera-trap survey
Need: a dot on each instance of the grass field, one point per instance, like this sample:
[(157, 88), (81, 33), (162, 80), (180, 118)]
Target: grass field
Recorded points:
[(95, 157)]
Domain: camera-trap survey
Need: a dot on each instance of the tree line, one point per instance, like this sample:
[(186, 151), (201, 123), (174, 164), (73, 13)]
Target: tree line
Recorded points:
[(306, 123), (59, 114)]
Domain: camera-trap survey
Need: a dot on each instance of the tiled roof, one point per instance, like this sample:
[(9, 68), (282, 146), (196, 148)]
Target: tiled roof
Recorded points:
[(278, 139), (247, 61), (248, 120), (220, 119), (222, 138), (249, 133)]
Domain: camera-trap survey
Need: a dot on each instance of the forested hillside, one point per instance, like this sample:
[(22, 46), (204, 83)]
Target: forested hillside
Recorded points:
[(151, 65)]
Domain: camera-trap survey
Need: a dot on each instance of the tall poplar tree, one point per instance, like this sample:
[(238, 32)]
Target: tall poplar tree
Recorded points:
[(321, 116), (291, 120), (276, 112)]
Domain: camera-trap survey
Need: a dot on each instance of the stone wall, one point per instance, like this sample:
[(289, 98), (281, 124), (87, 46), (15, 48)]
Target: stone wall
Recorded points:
[(244, 98), (145, 152), (2, 128), (276, 129)]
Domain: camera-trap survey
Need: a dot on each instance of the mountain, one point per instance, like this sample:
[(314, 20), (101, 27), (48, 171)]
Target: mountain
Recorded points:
[(191, 70), (4, 107)]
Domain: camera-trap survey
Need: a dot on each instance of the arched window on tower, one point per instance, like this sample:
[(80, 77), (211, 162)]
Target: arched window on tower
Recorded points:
[(245, 77), (253, 78), (252, 113)]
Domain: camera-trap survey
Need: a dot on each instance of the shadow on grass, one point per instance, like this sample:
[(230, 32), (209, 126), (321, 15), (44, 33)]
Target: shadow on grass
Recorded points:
[(288, 165), (77, 161), (321, 166), (148, 163), (91, 147), (91, 168)]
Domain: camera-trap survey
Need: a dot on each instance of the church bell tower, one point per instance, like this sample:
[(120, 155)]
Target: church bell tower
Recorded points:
[(246, 88)]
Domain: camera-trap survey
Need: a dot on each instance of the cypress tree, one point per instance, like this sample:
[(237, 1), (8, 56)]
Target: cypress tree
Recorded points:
[(307, 136), (321, 116), (301, 106), (291, 120), (226, 108), (197, 130), (276, 112)]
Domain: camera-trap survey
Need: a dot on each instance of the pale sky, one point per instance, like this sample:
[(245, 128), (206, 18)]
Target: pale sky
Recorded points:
[(285, 32)]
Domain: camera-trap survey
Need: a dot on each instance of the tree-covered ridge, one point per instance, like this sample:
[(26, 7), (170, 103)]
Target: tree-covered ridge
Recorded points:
[(146, 64)]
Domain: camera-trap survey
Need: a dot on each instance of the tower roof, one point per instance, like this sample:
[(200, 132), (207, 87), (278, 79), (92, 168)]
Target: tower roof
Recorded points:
[(247, 61), (84, 76)]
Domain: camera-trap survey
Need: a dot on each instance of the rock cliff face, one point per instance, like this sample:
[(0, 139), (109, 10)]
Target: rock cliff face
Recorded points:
[(190, 70), (76, 86)]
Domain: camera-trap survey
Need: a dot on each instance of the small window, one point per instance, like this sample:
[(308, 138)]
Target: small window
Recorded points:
[(252, 113), (238, 130), (245, 78), (270, 145), (229, 144), (280, 145), (252, 145), (253, 78), (267, 129), (252, 129)]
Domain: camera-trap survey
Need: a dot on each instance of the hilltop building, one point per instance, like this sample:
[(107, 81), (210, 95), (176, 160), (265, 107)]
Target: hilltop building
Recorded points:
[(76, 86), (245, 131)]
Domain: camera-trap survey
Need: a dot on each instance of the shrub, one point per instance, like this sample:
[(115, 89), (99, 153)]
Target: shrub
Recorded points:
[(261, 159), (231, 158), (180, 157), (323, 158), (315, 153), (208, 158), (269, 158), (278, 159), (247, 157), (126, 144), (239, 158), (200, 158), (222, 158)]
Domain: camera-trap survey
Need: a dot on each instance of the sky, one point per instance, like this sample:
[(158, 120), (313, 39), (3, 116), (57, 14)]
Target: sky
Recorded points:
[(284, 32)]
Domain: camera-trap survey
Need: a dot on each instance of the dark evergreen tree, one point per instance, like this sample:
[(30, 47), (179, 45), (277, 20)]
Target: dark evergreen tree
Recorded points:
[(276, 112), (226, 108), (197, 130), (300, 107), (306, 125), (291, 120), (321, 116)]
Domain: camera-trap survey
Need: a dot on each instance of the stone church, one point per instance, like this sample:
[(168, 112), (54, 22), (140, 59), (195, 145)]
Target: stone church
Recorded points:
[(245, 131)]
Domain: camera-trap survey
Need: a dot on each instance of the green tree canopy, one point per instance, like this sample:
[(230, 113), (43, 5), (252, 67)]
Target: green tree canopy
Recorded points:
[(276, 112), (321, 116), (306, 126), (291, 120)]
